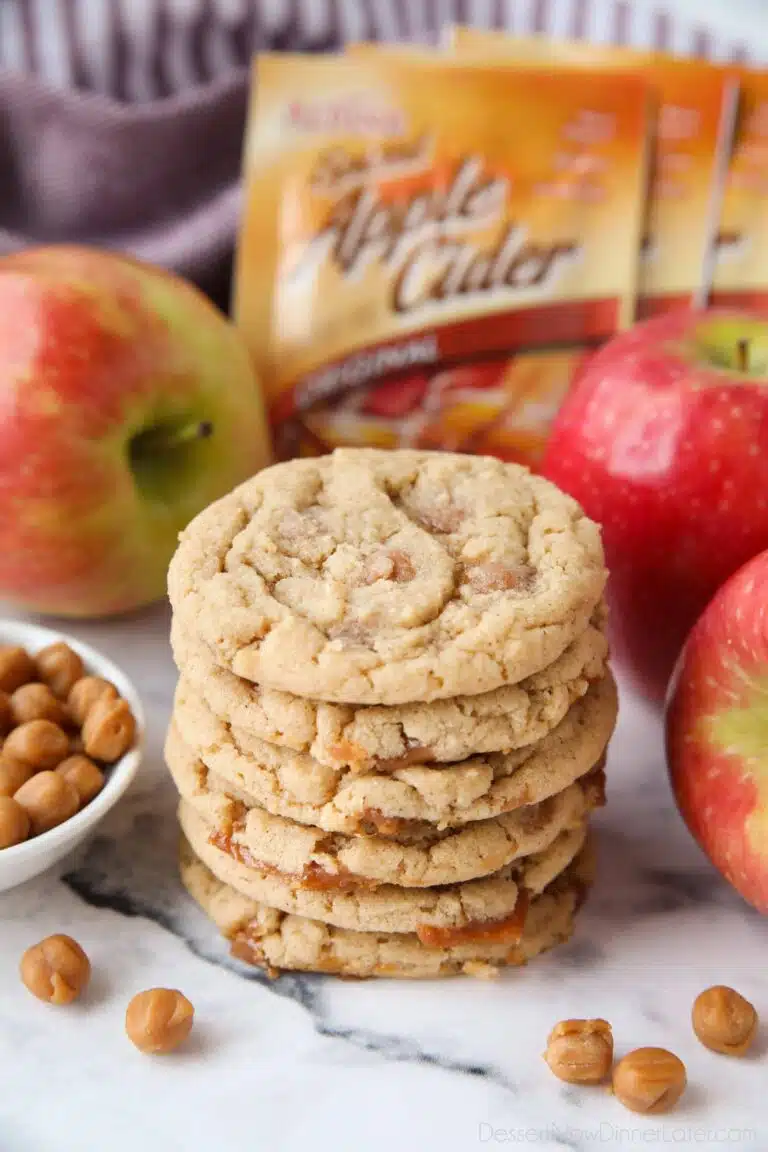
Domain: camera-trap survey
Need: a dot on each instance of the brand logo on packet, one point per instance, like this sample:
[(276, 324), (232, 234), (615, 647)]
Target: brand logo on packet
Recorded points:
[(391, 267), (357, 113), (426, 240)]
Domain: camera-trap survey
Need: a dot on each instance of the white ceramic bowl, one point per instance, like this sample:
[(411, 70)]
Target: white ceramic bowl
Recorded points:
[(34, 856)]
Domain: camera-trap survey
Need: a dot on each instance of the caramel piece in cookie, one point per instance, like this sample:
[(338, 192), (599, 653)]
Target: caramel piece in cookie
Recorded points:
[(276, 941), (506, 930), (325, 860), (385, 908)]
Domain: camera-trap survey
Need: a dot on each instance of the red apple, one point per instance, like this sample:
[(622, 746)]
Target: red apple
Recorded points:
[(717, 731), (664, 440), (127, 403)]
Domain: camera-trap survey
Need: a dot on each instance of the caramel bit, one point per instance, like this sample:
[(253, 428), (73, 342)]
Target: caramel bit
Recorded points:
[(159, 1020), (316, 879), (56, 970), (16, 668), (6, 714), (394, 565), (352, 755), (34, 701), (13, 773), (650, 1080), (245, 946), (225, 843), (419, 754), (375, 823), (350, 635), (497, 577), (580, 1051), (403, 569), (238, 813), (440, 518), (508, 930), (59, 666), (313, 878), (724, 1020), (109, 729), (85, 777)]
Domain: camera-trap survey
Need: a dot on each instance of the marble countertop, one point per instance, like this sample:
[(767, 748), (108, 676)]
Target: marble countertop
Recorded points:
[(317, 1063)]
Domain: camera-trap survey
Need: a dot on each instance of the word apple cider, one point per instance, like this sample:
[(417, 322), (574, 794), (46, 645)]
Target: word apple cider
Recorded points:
[(409, 225), (741, 262), (692, 127)]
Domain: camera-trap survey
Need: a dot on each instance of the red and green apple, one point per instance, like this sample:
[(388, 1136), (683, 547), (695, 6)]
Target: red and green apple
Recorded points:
[(717, 731), (664, 440), (127, 403)]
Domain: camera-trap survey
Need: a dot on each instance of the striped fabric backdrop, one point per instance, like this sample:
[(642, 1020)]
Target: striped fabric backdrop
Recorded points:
[(141, 50)]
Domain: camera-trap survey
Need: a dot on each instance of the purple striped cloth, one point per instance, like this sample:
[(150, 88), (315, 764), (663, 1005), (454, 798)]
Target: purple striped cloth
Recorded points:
[(121, 121)]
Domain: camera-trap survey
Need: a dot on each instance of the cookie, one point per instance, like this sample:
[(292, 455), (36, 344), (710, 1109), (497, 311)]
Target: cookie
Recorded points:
[(372, 577), (319, 860), (273, 940), (492, 903), (295, 786), (339, 735)]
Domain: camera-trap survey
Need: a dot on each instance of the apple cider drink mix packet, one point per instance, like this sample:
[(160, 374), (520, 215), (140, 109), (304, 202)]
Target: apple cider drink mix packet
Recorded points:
[(741, 261), (693, 123), (408, 225)]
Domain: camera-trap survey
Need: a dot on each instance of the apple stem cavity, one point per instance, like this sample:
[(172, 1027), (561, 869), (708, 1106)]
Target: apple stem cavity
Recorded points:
[(161, 457), (742, 355), (166, 437)]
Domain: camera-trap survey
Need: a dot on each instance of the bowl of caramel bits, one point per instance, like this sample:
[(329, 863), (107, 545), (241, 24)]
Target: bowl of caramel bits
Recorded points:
[(71, 729)]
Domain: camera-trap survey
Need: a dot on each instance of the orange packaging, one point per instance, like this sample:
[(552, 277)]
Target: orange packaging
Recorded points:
[(695, 112), (741, 262), (409, 225)]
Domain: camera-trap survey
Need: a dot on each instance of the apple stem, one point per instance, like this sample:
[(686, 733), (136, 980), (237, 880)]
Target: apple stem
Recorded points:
[(200, 431), (158, 439), (742, 355)]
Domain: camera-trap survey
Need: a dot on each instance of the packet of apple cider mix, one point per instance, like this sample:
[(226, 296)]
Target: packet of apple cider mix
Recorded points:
[(409, 225), (741, 258), (693, 126)]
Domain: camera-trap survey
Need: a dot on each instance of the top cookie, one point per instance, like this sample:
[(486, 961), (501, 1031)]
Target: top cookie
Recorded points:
[(371, 577)]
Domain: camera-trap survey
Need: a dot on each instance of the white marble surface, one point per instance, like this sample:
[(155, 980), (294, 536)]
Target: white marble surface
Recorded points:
[(322, 1064)]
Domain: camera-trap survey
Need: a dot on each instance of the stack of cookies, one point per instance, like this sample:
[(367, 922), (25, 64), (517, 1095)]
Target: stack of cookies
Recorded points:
[(394, 704)]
